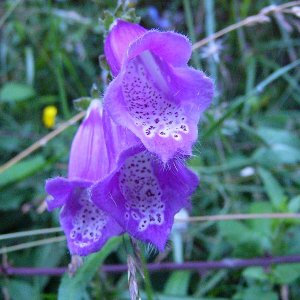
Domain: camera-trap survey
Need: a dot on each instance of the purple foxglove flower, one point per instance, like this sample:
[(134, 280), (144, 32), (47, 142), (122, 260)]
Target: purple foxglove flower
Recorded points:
[(143, 196), (155, 93), (96, 148)]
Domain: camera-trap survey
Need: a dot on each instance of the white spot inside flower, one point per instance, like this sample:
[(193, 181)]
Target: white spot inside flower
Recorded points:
[(88, 222), (143, 90), (142, 192)]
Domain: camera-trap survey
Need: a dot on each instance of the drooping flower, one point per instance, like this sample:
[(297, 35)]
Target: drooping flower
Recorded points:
[(96, 149), (155, 93), (143, 196)]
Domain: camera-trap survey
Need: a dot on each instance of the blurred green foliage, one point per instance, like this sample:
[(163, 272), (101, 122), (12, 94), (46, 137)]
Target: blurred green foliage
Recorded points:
[(248, 154)]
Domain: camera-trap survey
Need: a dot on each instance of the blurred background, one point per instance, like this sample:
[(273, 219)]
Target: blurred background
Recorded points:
[(247, 156)]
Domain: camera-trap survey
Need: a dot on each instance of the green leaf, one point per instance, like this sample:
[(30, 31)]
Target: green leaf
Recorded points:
[(234, 231), (284, 147), (273, 188), (257, 273), (261, 226), (178, 283), (278, 136), (13, 92), (19, 289), (22, 170), (286, 274), (255, 292), (166, 297), (231, 163), (82, 103), (47, 256), (279, 154), (75, 287), (294, 204), (159, 296), (286, 154), (11, 199), (9, 144)]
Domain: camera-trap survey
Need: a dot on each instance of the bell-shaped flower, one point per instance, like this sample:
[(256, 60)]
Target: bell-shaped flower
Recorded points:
[(143, 195), (96, 148), (155, 93)]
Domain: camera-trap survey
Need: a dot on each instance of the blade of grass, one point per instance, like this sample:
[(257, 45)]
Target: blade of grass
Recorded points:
[(242, 23), (190, 25), (9, 12), (210, 30), (237, 104)]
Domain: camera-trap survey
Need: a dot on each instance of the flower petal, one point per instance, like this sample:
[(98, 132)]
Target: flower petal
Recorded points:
[(118, 140), (160, 104), (143, 196), (60, 190), (117, 42), (97, 145), (86, 227), (88, 155), (172, 47)]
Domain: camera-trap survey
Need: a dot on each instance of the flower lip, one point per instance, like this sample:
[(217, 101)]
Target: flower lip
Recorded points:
[(143, 196), (61, 190)]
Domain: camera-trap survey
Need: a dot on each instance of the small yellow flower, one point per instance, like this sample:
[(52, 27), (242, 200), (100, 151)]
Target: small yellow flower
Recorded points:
[(49, 114)]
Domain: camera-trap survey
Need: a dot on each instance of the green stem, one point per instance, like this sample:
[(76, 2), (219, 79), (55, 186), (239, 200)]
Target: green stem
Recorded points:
[(190, 25), (61, 86), (210, 30), (147, 280)]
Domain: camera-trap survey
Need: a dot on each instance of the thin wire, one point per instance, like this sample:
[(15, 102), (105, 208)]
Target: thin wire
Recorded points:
[(239, 217), (27, 245), (41, 142), (20, 234), (193, 219), (227, 263), (249, 20)]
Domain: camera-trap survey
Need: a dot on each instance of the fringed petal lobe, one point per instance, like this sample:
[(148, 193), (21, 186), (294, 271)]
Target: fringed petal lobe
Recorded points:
[(143, 196), (172, 47), (87, 227), (60, 190)]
